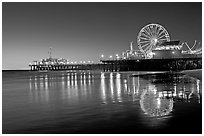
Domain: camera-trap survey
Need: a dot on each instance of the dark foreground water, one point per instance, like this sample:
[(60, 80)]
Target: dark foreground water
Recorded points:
[(95, 102)]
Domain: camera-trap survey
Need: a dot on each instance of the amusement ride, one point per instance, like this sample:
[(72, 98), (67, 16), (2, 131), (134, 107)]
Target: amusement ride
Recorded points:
[(154, 37)]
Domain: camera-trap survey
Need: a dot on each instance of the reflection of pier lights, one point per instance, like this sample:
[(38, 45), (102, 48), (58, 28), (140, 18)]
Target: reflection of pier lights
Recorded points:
[(136, 86), (75, 80), (46, 88), (84, 79), (81, 77), (112, 87), (103, 87), (198, 89), (125, 85), (72, 79), (30, 83), (118, 85), (195, 94), (36, 86), (62, 82), (68, 79), (40, 91), (89, 78), (46, 82), (175, 91)]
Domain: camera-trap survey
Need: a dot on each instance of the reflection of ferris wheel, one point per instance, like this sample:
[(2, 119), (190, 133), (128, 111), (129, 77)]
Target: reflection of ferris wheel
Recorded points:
[(154, 105), (151, 36)]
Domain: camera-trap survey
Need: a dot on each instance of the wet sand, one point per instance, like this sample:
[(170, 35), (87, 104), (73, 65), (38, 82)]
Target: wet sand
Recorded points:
[(197, 73)]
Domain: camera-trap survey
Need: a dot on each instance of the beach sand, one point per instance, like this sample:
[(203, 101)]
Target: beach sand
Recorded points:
[(197, 73)]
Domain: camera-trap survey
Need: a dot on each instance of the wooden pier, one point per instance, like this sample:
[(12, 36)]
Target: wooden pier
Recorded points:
[(173, 64), (58, 67)]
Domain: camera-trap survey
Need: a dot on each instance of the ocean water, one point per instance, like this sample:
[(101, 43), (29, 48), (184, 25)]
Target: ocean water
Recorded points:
[(91, 102)]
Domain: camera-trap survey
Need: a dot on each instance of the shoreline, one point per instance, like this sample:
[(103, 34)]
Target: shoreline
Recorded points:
[(196, 73)]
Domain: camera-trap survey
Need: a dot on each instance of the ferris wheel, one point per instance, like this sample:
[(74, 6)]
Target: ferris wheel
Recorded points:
[(150, 36)]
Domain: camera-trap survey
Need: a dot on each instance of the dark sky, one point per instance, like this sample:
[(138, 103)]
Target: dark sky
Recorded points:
[(84, 31)]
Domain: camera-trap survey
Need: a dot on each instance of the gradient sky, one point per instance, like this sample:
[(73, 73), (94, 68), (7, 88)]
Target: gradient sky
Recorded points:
[(84, 31)]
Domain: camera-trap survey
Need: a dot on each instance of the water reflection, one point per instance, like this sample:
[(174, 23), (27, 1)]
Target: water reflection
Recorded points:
[(154, 103), (70, 84), (112, 87), (150, 99), (103, 87), (156, 94), (118, 87)]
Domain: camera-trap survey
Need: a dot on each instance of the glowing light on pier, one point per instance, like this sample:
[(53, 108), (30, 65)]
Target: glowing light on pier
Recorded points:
[(117, 56)]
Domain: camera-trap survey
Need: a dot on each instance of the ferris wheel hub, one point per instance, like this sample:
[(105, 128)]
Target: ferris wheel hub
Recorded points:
[(154, 41)]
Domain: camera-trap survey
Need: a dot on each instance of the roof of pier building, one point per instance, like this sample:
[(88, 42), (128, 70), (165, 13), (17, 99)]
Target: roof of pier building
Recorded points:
[(171, 45)]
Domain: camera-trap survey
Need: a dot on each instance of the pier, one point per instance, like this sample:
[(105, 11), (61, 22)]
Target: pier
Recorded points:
[(58, 67), (173, 64), (156, 53)]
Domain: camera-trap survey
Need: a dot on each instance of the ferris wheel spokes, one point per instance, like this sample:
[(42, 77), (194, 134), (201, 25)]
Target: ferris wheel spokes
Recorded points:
[(161, 36), (145, 45), (149, 31), (144, 38), (144, 42), (162, 32), (145, 50), (148, 34)]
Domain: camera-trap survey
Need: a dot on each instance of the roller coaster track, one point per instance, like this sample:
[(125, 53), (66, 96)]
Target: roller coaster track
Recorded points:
[(195, 49)]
